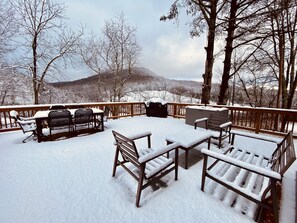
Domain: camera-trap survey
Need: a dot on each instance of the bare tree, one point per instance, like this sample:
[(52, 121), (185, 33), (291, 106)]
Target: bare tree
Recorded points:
[(266, 32), (283, 25), (90, 51), (7, 85), (279, 50), (257, 84), (7, 28), (116, 51), (46, 39), (243, 27), (204, 13)]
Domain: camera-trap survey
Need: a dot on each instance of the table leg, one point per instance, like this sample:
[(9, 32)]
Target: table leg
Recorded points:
[(186, 158), (102, 122), (39, 129), (168, 142), (232, 138), (209, 140), (99, 122), (95, 123)]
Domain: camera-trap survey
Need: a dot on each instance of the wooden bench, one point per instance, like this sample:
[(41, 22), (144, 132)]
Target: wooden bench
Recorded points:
[(253, 136), (250, 175), (150, 163)]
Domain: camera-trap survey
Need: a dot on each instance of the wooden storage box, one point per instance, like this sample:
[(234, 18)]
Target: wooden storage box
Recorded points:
[(196, 112)]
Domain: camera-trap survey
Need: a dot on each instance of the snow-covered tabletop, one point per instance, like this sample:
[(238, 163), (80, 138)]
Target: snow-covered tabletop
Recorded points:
[(207, 108), (44, 114), (189, 137)]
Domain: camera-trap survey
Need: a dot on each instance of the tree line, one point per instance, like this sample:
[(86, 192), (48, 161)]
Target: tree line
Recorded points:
[(259, 47), (35, 40), (258, 36)]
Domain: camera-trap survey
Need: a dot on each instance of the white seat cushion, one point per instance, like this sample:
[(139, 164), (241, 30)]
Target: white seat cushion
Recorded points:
[(27, 125), (155, 165)]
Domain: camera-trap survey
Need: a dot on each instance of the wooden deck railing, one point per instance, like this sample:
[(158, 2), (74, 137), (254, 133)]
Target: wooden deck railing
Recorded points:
[(118, 110), (266, 120)]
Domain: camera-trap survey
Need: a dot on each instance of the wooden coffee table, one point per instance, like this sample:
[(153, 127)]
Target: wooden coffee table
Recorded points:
[(189, 139)]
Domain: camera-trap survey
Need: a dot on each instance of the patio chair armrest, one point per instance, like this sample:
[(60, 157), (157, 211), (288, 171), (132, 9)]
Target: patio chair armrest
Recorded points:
[(158, 152), (232, 161), (139, 135), (225, 125), (26, 122), (256, 136), (201, 120), (27, 119)]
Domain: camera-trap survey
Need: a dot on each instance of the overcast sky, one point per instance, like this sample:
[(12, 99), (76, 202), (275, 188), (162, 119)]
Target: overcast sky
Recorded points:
[(168, 50)]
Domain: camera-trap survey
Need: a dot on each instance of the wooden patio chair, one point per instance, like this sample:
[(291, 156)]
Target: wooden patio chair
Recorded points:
[(219, 126), (150, 163)]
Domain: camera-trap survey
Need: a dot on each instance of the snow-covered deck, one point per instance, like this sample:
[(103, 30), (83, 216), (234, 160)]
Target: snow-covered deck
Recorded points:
[(69, 180)]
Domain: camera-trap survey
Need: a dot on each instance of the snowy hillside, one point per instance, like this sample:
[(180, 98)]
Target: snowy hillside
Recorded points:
[(165, 95), (138, 84), (16, 89)]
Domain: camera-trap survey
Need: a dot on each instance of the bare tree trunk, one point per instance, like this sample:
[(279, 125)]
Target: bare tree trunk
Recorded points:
[(292, 92), (228, 54), (207, 77), (34, 68), (3, 96), (281, 89), (207, 13)]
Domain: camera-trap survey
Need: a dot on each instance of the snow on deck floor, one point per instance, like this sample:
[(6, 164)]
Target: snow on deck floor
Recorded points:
[(70, 180)]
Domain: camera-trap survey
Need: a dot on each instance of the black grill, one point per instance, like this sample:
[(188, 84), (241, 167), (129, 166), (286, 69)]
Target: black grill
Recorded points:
[(156, 109)]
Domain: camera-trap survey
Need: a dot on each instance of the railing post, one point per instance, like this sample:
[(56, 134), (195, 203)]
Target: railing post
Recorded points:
[(132, 112), (257, 122), (174, 110)]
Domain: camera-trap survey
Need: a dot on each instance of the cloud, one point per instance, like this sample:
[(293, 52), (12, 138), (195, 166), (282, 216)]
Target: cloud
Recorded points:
[(176, 56), (167, 48)]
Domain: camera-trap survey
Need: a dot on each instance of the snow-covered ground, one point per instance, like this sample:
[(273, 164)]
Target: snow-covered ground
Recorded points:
[(69, 180), (164, 95)]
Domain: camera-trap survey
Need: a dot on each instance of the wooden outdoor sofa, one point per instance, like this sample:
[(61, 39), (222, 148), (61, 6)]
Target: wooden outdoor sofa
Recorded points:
[(239, 174), (146, 164)]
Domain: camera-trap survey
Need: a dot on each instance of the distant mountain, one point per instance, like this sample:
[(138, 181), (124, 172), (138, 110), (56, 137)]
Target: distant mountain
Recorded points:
[(144, 71), (141, 79), (17, 88), (137, 75)]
